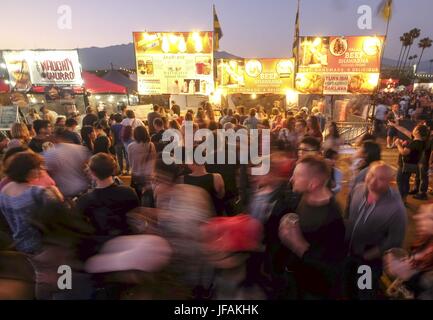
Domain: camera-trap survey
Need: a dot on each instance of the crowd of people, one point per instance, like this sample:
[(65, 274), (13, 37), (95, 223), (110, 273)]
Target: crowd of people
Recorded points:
[(95, 194)]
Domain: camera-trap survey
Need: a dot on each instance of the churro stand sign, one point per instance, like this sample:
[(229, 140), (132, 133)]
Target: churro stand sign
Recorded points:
[(43, 68)]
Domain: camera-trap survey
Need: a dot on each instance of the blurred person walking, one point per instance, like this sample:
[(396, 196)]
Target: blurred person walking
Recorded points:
[(119, 147), (414, 270), (19, 199), (66, 165), (142, 155)]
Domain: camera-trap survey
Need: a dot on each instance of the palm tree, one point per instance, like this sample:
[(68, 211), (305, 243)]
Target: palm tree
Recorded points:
[(406, 44), (423, 44), (402, 40), (414, 34)]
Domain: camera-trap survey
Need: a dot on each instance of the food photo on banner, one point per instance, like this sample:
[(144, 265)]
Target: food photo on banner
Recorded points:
[(339, 65), (174, 62), (27, 68), (255, 75)]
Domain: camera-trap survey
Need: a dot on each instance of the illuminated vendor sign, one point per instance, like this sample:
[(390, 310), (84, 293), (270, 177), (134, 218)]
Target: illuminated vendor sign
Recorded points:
[(255, 75), (174, 62), (42, 68), (339, 65)]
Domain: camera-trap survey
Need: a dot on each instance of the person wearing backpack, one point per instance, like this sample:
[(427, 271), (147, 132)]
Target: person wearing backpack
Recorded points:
[(128, 126)]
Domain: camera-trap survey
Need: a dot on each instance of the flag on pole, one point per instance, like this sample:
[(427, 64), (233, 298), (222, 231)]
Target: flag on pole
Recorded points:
[(218, 32), (295, 49), (385, 9)]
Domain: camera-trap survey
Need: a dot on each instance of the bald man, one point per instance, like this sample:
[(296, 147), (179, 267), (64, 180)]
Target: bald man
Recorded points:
[(377, 220)]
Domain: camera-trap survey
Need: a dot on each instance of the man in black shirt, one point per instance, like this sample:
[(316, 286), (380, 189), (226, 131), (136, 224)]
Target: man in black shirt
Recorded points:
[(157, 136), (43, 131), (410, 154), (151, 118), (422, 178), (317, 239), (107, 205)]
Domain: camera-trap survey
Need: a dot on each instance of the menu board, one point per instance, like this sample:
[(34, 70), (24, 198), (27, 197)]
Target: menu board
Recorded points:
[(255, 75), (8, 116), (174, 62)]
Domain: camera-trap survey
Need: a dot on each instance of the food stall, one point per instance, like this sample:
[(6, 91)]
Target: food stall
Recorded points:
[(173, 66), (252, 82), (37, 77), (103, 94), (55, 79), (117, 77)]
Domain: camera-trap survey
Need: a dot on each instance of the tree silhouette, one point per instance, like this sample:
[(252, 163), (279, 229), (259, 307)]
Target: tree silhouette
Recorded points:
[(414, 34), (423, 44)]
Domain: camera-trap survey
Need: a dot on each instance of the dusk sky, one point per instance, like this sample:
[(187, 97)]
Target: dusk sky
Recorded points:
[(252, 28)]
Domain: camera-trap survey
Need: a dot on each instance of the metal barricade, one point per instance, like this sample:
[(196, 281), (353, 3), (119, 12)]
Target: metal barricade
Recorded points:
[(351, 131)]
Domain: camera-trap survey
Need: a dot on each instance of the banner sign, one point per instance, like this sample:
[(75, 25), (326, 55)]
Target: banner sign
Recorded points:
[(340, 54), (255, 75), (336, 83), (43, 68), (339, 65), (174, 63)]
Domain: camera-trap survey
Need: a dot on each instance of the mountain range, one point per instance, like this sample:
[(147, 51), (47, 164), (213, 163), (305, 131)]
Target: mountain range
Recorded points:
[(123, 56)]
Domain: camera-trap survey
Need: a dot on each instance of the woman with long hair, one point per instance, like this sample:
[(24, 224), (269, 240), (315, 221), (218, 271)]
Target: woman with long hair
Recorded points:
[(200, 119), (142, 155), (333, 139), (313, 128), (369, 152), (173, 124), (20, 135), (287, 137), (88, 135), (209, 111)]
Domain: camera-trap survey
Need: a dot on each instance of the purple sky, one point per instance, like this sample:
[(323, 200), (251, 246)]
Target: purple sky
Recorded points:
[(252, 28)]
